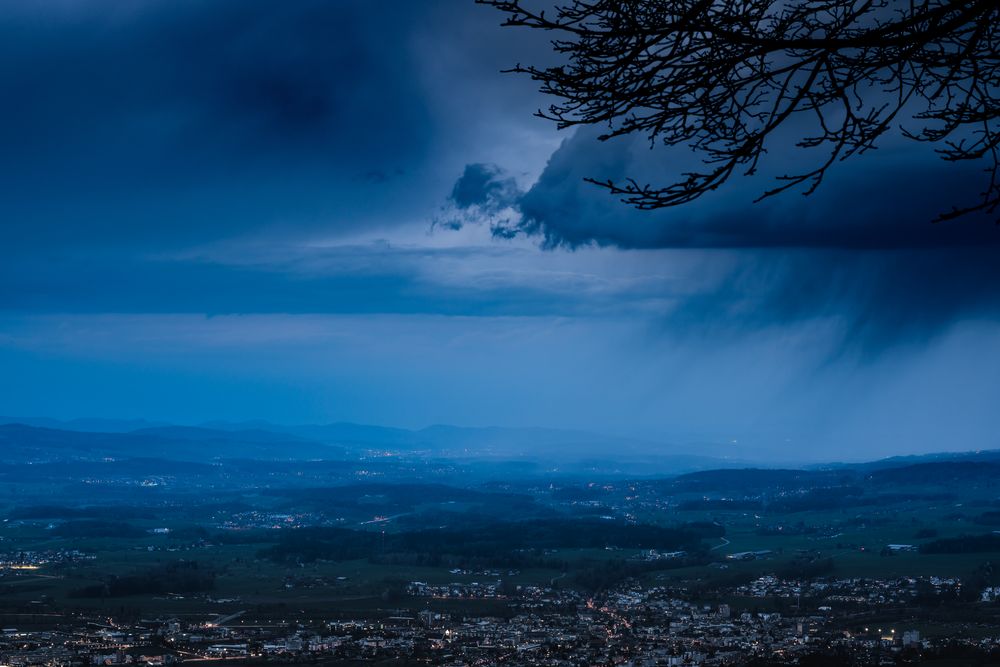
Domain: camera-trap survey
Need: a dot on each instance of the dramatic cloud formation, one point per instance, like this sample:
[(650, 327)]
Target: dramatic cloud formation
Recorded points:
[(484, 194), (485, 186), (887, 199), (167, 123), (249, 209), (862, 249)]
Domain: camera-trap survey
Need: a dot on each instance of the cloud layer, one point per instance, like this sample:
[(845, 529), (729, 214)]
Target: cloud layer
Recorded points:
[(225, 209), (174, 122), (863, 249)]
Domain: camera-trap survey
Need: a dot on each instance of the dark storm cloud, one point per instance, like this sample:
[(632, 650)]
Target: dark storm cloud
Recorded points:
[(861, 250), (172, 121), (481, 194), (880, 298), (883, 200), (136, 132), (248, 76), (485, 186)]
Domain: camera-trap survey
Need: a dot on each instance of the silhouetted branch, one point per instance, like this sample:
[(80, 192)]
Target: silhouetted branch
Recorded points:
[(722, 76)]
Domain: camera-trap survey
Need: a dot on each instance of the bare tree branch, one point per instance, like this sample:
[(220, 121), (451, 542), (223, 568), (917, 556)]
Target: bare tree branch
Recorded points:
[(722, 76)]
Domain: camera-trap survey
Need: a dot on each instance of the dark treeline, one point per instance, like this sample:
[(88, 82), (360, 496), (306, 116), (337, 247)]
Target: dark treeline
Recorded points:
[(815, 499), (400, 493), (602, 575), (502, 544), (941, 472), (85, 528), (966, 544), (720, 504), (176, 577), (751, 479), (397, 498), (473, 517), (988, 518), (75, 469), (579, 493), (118, 512), (825, 499)]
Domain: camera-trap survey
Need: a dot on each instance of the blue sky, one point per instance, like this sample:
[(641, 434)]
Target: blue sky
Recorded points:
[(311, 211)]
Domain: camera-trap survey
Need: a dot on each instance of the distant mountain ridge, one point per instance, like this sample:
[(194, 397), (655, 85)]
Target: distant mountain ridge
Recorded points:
[(563, 450), (48, 440), (200, 434), (87, 425), (20, 443), (556, 446), (980, 455)]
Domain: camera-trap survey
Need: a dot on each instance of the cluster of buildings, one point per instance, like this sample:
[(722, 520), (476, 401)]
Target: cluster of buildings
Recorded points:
[(631, 625), (869, 591), (858, 591), (652, 555), (13, 562), (469, 591), (258, 520)]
